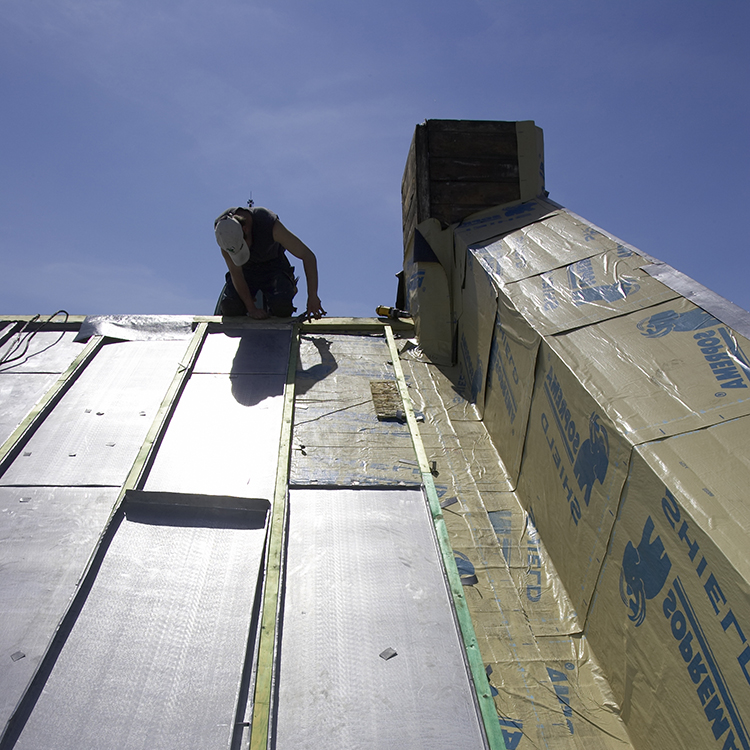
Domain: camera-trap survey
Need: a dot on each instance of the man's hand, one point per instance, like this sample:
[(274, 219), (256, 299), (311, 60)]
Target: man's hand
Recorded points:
[(257, 313), (314, 308)]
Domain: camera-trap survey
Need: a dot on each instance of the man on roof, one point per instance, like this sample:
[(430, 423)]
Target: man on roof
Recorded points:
[(253, 242)]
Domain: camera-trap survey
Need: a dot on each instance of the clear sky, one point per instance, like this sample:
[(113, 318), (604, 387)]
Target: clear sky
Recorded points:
[(128, 125)]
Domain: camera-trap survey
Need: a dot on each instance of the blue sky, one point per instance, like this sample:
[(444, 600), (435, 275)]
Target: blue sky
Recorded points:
[(128, 125)]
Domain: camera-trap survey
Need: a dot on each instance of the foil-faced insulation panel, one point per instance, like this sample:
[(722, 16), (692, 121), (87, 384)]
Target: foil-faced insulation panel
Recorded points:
[(156, 657), (94, 433), (338, 438), (29, 367), (18, 396), (47, 536), (44, 351), (370, 651), (137, 327), (254, 350), (224, 434)]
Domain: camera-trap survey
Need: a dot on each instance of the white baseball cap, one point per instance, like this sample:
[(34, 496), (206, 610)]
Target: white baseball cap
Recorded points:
[(230, 237)]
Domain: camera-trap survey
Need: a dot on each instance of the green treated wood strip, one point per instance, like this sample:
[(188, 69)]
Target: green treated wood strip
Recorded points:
[(324, 324), (36, 416), (273, 565), (357, 324), (476, 665), (145, 456)]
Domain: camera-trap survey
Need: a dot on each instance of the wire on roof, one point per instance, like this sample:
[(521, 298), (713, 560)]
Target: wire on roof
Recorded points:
[(20, 346)]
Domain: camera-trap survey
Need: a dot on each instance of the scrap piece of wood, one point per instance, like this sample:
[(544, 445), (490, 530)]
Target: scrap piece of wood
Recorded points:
[(387, 401)]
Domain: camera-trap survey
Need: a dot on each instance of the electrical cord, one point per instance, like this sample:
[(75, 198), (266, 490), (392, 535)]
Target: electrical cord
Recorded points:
[(19, 347)]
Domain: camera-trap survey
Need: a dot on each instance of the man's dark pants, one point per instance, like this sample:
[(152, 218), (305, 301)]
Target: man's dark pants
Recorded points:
[(275, 279)]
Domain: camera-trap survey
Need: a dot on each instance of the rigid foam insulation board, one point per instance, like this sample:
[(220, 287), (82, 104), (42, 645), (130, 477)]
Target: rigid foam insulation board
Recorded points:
[(727, 312), (546, 604), (257, 351), (563, 273), (631, 365), (600, 389), (42, 351), (47, 536), (658, 372), (636, 387), (475, 331), (223, 436), (671, 617), (93, 434), (573, 469), (29, 367), (497, 351), (588, 291), (156, 655), (370, 651), (553, 242), (337, 437), (428, 261), (598, 287), (510, 379), (547, 687), (435, 310), (19, 393), (477, 229)]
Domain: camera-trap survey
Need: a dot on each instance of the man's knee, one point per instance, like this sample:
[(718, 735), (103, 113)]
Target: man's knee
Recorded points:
[(232, 307), (281, 307)]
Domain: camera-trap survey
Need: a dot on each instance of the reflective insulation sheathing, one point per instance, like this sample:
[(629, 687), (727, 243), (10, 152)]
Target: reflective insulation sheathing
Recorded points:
[(137, 327), (94, 433), (47, 536), (29, 366), (547, 686), (156, 656), (338, 438), (370, 651), (223, 437), (38, 351)]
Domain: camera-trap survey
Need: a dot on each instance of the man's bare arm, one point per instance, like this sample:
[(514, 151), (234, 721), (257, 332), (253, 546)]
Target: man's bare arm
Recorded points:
[(309, 262)]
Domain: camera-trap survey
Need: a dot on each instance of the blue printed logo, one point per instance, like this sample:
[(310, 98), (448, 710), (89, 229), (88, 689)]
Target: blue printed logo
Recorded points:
[(415, 281), (644, 572), (521, 210), (605, 292), (592, 460), (584, 288), (589, 460), (512, 732), (474, 372), (727, 362), (667, 321), (466, 570)]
